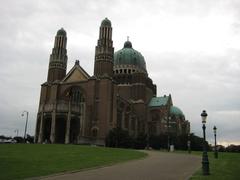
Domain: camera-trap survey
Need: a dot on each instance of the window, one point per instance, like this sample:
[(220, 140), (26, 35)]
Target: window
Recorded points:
[(94, 132), (133, 124), (77, 96), (126, 121)]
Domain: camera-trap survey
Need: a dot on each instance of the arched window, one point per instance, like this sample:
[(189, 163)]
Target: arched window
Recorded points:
[(133, 124), (77, 96), (94, 132)]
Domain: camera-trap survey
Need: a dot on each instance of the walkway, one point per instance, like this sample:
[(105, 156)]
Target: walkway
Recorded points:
[(157, 166)]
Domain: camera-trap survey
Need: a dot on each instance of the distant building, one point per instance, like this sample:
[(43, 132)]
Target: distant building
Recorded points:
[(79, 108)]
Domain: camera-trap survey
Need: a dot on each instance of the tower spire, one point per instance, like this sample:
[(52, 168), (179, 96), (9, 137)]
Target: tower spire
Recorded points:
[(104, 51), (58, 58)]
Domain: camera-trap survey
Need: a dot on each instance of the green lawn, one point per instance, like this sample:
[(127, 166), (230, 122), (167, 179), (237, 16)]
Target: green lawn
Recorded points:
[(226, 167), (18, 161)]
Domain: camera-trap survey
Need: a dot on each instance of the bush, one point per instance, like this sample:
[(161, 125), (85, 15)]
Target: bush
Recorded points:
[(120, 138), (19, 139), (140, 142)]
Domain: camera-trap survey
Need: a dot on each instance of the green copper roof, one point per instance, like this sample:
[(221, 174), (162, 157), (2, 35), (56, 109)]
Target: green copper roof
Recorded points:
[(176, 111), (158, 101), (61, 32), (127, 44), (106, 22), (128, 55)]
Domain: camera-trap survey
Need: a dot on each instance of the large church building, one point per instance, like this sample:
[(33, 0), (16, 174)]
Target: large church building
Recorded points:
[(79, 108)]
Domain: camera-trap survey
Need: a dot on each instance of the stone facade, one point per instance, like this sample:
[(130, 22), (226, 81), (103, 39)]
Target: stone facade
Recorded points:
[(81, 109)]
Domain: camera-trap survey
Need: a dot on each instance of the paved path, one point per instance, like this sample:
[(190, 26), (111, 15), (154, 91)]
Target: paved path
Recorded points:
[(158, 165)]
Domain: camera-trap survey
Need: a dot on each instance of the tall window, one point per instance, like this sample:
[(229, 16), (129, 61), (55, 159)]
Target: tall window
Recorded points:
[(77, 96), (94, 132)]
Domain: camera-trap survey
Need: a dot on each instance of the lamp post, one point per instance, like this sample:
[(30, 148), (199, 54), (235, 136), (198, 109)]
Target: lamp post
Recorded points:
[(205, 162), (215, 148), (25, 124)]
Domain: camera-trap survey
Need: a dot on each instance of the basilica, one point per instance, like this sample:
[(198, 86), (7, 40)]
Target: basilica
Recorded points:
[(79, 108)]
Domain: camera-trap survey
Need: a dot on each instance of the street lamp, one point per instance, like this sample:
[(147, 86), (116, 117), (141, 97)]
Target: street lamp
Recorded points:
[(205, 162), (25, 124), (215, 148)]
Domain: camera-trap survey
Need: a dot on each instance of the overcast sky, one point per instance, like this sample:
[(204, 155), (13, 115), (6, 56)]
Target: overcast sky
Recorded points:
[(191, 48)]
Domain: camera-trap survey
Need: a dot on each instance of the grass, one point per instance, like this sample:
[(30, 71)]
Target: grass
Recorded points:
[(226, 167), (19, 161)]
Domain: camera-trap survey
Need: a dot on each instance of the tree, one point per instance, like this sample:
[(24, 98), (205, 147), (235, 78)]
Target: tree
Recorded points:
[(118, 137), (19, 139), (30, 138), (140, 142), (233, 148)]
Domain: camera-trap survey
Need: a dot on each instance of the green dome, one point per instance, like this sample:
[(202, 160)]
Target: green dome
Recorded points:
[(129, 56), (61, 32), (176, 111), (106, 22)]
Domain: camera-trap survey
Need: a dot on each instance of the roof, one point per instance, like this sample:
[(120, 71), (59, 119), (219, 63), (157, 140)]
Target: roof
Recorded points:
[(77, 73), (61, 32), (176, 111), (158, 101), (129, 56), (106, 22)]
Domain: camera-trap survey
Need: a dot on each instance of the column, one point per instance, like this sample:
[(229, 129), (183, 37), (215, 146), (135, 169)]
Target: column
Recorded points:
[(129, 124), (68, 124), (123, 118), (40, 135), (83, 119), (80, 124), (36, 130), (136, 126), (53, 127)]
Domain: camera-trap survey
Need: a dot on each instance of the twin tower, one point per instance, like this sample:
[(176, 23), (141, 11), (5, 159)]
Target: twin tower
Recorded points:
[(103, 56)]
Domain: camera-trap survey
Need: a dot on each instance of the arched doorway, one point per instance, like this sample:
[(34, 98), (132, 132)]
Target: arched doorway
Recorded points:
[(60, 129)]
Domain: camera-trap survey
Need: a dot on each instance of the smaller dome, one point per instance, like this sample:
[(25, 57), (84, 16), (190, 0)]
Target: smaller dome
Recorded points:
[(176, 111), (61, 32), (106, 22)]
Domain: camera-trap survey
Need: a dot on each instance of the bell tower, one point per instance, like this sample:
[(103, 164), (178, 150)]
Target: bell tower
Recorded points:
[(58, 59), (103, 65)]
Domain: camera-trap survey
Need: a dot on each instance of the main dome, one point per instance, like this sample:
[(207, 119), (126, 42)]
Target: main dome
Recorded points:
[(129, 56)]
